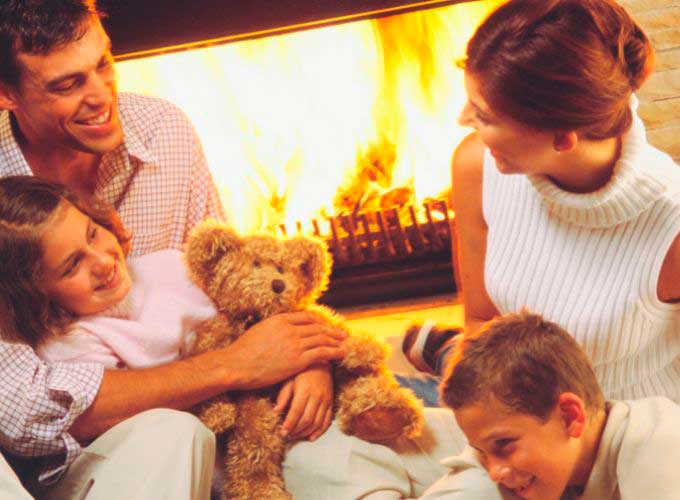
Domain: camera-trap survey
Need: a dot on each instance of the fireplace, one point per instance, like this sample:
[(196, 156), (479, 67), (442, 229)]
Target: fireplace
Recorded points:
[(320, 117)]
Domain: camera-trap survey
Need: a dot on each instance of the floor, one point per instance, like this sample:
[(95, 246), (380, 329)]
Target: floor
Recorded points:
[(390, 320)]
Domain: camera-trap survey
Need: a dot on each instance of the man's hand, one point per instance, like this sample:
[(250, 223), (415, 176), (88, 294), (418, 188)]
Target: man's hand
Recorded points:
[(280, 347), (310, 395)]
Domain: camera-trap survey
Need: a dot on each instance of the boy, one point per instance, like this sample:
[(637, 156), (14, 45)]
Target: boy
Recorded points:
[(526, 397)]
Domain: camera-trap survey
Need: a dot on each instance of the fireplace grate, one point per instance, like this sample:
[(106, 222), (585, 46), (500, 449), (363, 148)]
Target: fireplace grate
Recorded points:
[(389, 254)]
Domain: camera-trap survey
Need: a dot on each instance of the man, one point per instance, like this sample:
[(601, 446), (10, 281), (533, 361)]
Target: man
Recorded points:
[(65, 122)]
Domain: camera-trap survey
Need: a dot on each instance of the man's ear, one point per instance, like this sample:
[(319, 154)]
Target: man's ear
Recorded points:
[(565, 141), (573, 413), (8, 98)]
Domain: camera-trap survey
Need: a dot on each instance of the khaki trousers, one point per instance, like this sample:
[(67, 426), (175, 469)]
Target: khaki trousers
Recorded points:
[(158, 454), (341, 467)]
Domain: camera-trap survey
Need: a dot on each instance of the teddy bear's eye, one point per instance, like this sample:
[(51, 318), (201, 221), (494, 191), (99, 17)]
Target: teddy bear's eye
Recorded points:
[(279, 269), (257, 264)]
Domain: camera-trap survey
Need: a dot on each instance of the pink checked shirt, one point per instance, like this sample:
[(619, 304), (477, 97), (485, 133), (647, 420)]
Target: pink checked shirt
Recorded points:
[(160, 184)]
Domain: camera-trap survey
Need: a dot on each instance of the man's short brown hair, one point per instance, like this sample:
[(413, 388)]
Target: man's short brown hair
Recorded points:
[(525, 362), (37, 27)]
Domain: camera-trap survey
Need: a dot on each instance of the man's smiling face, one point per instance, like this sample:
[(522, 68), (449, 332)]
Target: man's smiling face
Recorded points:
[(67, 98)]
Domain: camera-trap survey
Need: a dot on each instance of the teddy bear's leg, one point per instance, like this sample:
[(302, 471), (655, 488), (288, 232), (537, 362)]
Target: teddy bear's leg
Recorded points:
[(218, 414), (255, 452), (375, 408)]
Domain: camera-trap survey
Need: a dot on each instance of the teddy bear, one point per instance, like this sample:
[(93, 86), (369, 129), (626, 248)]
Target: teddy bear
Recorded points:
[(250, 278)]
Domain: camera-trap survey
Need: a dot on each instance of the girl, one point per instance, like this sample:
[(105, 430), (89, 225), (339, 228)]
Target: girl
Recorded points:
[(563, 206), (66, 288)]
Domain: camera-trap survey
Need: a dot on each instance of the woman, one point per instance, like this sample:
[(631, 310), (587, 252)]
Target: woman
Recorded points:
[(562, 205)]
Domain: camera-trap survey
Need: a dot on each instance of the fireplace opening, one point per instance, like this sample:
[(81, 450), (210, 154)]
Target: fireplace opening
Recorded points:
[(344, 130)]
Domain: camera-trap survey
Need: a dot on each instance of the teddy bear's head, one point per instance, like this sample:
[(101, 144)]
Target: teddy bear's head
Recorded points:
[(256, 276)]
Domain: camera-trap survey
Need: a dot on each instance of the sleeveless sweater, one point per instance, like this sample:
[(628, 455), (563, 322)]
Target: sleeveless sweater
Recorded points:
[(591, 263)]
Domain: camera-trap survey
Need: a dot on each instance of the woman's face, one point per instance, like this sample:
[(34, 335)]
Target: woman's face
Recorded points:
[(516, 148)]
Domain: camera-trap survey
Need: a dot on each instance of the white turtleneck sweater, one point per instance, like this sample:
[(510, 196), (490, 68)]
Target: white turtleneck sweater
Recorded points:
[(591, 263)]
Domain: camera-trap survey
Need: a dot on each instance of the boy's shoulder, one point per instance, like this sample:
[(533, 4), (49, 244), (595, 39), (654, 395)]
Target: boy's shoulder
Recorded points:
[(644, 438)]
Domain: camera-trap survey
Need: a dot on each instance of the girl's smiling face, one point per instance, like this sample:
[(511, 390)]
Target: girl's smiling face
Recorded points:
[(83, 265), (534, 459)]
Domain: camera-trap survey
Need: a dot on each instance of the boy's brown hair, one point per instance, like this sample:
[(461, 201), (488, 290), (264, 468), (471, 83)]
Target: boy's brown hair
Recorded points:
[(525, 362), (27, 205)]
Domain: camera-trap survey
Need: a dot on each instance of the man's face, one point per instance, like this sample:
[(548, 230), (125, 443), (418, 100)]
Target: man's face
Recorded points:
[(66, 99), (534, 459)]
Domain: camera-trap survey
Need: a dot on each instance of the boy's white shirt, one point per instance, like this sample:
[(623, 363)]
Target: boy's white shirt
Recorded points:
[(639, 453), (638, 458)]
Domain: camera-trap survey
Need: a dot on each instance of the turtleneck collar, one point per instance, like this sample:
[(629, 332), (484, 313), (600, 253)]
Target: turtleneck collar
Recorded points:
[(629, 192)]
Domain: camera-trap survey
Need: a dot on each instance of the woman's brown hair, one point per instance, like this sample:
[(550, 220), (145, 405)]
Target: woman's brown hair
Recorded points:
[(27, 205), (561, 64)]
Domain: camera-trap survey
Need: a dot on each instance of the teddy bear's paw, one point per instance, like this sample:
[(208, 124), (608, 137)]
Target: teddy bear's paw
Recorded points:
[(377, 409), (251, 491), (382, 425), (218, 416), (364, 353)]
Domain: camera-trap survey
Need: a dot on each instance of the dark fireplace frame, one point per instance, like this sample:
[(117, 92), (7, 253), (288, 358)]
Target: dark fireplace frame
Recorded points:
[(145, 27)]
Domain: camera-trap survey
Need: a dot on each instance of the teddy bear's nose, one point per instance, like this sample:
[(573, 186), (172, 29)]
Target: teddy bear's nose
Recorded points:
[(278, 286)]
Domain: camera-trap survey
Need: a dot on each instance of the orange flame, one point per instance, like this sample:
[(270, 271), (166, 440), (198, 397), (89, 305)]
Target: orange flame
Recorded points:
[(325, 121)]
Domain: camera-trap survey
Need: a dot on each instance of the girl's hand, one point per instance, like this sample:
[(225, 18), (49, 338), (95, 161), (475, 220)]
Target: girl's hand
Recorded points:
[(309, 398)]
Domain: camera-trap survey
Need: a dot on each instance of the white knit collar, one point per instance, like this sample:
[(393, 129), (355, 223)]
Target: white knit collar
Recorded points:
[(629, 192)]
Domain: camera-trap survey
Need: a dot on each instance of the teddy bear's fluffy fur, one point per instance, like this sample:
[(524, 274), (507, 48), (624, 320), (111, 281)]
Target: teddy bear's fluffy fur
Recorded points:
[(249, 279)]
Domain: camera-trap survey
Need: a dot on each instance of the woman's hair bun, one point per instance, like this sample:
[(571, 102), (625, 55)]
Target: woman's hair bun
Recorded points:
[(637, 55)]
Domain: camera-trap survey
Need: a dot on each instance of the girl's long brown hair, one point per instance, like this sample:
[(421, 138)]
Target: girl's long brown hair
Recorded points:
[(27, 205)]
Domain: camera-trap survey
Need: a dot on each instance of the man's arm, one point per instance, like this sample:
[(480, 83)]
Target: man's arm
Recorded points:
[(271, 351)]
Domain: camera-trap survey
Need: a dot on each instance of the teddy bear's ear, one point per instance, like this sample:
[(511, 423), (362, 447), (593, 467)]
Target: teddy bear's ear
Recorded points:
[(207, 244), (312, 259)]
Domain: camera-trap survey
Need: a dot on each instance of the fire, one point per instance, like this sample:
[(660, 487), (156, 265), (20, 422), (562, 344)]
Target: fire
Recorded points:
[(333, 120)]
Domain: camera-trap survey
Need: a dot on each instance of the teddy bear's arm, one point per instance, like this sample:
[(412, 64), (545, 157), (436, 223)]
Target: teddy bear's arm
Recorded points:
[(218, 414), (215, 333), (364, 352)]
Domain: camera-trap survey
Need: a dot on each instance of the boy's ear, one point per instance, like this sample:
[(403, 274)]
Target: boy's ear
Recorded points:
[(573, 413), (565, 141)]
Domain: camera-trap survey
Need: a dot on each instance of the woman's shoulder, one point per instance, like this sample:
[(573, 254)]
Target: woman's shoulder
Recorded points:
[(468, 158)]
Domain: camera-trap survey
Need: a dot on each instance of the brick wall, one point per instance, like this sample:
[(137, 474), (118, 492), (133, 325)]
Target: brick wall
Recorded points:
[(660, 96)]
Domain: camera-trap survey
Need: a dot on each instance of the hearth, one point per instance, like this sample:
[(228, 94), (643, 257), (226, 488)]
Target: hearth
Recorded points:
[(380, 256)]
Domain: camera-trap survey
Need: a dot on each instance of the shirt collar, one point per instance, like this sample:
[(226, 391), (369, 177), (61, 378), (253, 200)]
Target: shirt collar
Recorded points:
[(632, 189), (133, 134), (133, 142), (603, 479), (10, 152)]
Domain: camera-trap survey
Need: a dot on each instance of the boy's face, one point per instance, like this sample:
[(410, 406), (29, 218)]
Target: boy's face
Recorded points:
[(534, 459), (66, 99)]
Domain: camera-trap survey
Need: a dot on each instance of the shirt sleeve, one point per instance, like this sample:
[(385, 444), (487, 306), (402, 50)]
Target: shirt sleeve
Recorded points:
[(467, 480), (647, 462), (38, 404)]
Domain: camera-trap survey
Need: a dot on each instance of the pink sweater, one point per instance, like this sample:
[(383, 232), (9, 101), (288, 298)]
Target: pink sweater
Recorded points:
[(152, 325)]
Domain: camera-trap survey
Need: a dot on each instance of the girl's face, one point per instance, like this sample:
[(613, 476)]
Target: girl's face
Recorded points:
[(83, 264), (516, 148)]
